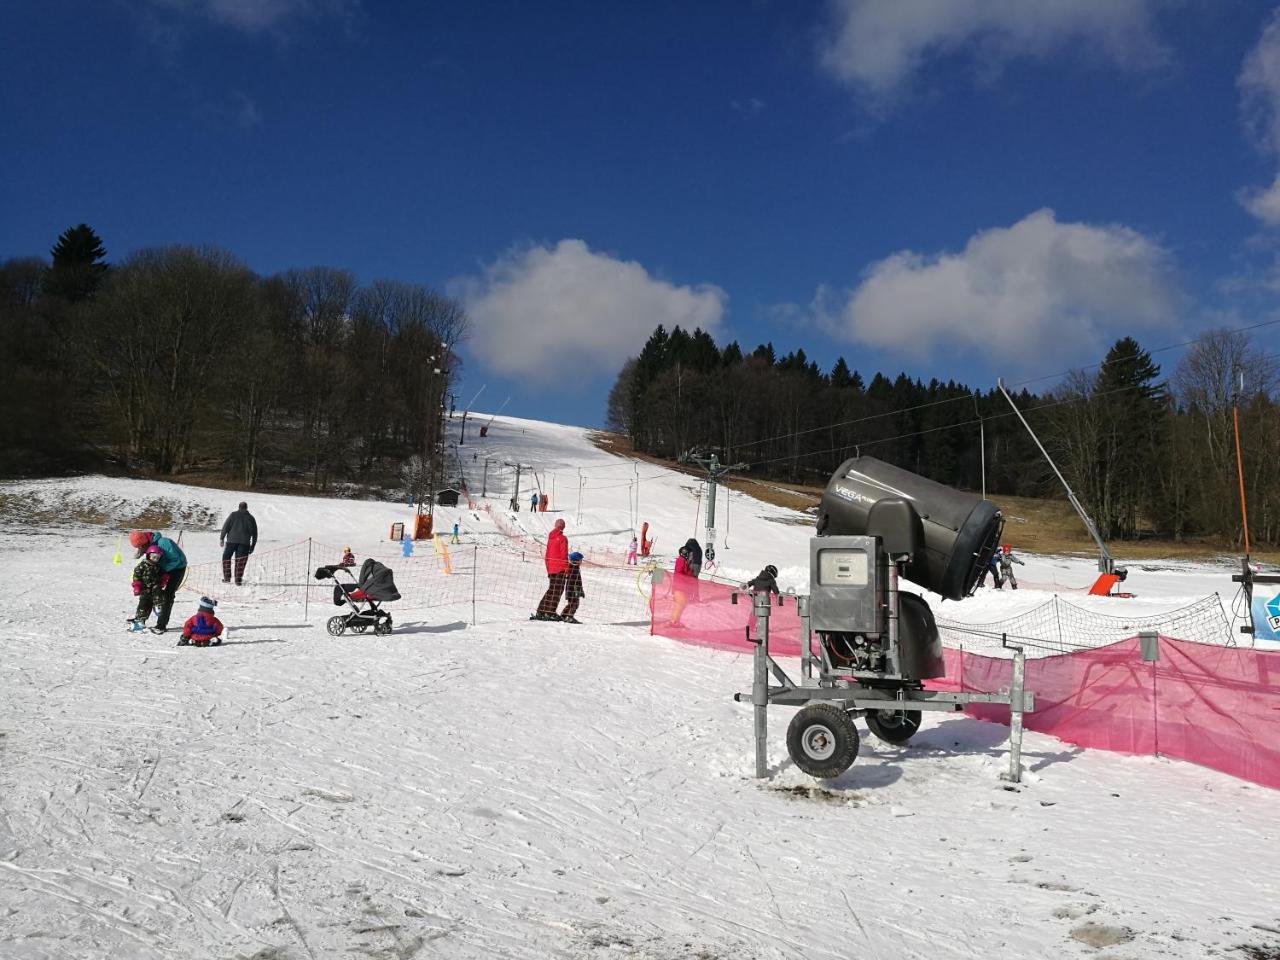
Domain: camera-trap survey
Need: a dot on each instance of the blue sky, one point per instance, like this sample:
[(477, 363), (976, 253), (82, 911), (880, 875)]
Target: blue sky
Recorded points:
[(957, 188)]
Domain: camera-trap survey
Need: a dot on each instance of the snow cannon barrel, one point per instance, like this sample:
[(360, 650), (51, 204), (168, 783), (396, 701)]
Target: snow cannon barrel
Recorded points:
[(949, 536)]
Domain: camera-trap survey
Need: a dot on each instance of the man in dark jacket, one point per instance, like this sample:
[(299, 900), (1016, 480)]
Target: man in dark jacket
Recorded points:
[(239, 537)]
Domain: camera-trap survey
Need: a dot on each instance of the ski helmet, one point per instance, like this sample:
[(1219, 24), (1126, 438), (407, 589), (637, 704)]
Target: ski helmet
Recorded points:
[(771, 570), (575, 557), (138, 539), (1005, 548), (153, 553)]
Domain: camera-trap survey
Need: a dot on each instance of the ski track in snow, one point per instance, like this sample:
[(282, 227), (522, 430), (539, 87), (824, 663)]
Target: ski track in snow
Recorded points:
[(528, 790)]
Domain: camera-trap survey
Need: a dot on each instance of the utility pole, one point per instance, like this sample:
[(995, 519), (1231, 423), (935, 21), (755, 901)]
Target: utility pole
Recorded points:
[(485, 482), (982, 442), (435, 436), (715, 470)]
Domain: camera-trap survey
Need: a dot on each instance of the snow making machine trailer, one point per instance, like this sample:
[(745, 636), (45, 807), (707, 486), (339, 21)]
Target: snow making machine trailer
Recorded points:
[(877, 644)]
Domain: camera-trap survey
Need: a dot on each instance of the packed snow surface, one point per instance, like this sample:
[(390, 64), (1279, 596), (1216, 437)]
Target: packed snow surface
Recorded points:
[(520, 789)]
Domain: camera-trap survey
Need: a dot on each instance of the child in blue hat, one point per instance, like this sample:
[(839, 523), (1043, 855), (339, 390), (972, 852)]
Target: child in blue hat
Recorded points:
[(572, 588)]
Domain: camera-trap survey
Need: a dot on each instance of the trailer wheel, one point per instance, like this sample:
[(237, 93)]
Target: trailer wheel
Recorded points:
[(336, 625), (822, 740), (893, 726)]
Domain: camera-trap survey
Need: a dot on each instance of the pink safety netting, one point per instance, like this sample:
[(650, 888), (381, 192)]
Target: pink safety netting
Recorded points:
[(705, 615), (1213, 705)]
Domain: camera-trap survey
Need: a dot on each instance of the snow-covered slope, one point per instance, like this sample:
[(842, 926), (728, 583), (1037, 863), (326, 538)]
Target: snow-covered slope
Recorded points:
[(521, 789)]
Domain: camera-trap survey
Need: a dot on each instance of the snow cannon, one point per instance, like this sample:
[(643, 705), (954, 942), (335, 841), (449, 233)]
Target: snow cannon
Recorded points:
[(876, 644), (878, 523), (941, 538)]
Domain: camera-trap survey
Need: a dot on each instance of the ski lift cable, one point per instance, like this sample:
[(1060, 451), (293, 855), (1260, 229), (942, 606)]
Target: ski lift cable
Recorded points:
[(1171, 346), (949, 426), (969, 396)]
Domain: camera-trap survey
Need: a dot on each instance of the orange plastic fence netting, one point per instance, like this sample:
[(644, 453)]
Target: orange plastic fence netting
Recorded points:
[(437, 574)]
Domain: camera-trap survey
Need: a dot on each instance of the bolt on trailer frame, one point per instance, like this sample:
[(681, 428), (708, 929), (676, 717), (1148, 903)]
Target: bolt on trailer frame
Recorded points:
[(822, 739)]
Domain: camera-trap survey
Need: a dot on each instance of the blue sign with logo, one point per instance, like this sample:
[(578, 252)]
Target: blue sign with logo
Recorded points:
[(1266, 617)]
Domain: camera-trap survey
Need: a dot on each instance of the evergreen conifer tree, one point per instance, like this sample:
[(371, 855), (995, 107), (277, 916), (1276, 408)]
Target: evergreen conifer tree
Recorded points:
[(79, 265)]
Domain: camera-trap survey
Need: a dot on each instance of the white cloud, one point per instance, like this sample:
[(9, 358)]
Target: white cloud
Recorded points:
[(1259, 84), (247, 113), (258, 16), (1264, 203), (555, 314), (876, 46), (1022, 293)]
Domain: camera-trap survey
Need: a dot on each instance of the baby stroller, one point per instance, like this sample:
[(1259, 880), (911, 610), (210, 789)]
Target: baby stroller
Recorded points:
[(363, 594)]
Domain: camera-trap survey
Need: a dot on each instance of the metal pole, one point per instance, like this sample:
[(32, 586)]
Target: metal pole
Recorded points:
[(484, 483), (306, 589), (982, 442), (578, 516), (475, 562), (760, 682), (1106, 564), (711, 494), (806, 638), (1235, 420), (1015, 714)]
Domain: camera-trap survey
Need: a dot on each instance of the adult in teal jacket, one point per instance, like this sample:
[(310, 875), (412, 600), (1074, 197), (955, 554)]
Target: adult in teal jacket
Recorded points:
[(173, 562)]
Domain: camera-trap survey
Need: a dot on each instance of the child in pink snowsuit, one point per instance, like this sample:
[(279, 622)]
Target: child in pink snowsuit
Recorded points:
[(631, 552)]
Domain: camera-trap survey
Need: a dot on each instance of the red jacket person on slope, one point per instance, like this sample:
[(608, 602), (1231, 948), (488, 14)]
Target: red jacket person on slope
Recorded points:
[(557, 561)]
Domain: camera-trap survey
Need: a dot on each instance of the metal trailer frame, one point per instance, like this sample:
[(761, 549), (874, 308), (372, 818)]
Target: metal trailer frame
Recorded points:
[(848, 689)]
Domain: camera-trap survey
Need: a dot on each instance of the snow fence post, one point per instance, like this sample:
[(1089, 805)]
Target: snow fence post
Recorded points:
[(1015, 711), (760, 681), (306, 585), (475, 562), (806, 638)]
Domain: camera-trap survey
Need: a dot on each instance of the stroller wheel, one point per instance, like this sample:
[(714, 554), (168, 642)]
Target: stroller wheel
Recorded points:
[(336, 625), (361, 628), (383, 627)]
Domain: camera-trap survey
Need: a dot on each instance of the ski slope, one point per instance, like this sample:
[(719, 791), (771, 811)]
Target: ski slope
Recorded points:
[(519, 789)]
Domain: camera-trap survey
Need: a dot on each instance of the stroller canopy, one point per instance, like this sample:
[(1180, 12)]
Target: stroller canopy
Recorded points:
[(377, 581)]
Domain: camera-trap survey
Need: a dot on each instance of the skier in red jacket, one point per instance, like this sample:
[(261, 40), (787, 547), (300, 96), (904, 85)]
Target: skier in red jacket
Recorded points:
[(557, 561)]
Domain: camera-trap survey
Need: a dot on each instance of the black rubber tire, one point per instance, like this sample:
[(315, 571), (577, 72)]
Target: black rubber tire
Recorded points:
[(360, 629), (894, 726), (383, 627), (336, 625), (822, 740)]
